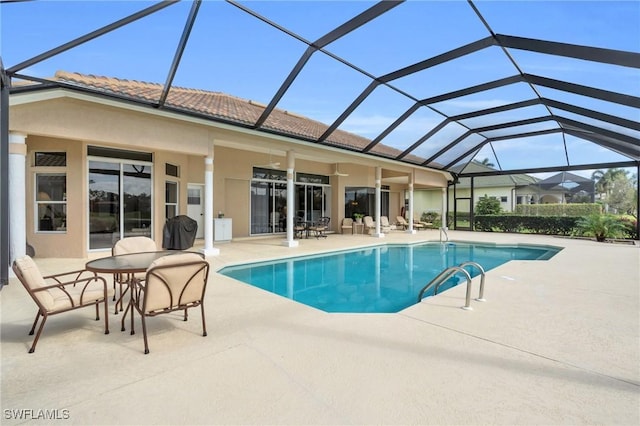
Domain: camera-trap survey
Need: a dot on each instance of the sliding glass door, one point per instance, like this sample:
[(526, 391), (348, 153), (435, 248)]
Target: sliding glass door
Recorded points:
[(119, 201), (268, 201), (312, 196)]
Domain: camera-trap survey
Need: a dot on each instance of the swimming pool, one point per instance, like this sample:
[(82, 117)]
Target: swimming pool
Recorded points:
[(380, 279)]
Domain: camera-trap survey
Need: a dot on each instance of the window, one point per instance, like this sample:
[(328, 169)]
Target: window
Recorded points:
[(120, 201), (51, 202), (171, 199), (193, 196), (269, 174), (50, 159), (363, 200), (503, 199), (172, 170), (309, 178)]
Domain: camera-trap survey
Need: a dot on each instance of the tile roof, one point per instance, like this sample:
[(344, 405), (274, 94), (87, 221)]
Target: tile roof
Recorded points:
[(222, 106)]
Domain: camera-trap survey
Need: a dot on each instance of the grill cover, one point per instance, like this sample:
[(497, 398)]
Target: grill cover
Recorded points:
[(179, 233)]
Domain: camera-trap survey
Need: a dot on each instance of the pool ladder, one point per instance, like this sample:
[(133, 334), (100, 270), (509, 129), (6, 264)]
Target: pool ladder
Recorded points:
[(449, 272)]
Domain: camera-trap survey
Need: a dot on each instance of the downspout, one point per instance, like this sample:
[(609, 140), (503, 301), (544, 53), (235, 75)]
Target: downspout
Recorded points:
[(5, 84), (638, 201)]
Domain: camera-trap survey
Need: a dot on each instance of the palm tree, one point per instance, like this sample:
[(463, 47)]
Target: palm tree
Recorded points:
[(605, 182), (487, 162), (601, 226)]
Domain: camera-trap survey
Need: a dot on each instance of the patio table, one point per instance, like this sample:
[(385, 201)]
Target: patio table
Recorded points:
[(130, 263)]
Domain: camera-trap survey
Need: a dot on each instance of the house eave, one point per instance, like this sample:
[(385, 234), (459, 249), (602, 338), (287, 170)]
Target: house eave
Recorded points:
[(28, 95)]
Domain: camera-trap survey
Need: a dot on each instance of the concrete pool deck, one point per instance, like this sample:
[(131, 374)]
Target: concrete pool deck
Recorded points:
[(557, 342)]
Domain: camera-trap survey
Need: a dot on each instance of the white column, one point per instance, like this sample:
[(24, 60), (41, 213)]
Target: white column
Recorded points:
[(209, 249), (410, 230), (377, 232), (444, 208), (17, 195), (291, 163)]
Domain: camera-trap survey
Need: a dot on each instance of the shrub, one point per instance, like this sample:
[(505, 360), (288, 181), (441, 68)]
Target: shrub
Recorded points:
[(573, 209), (630, 226), (431, 217), (601, 226), (548, 225), (488, 205)]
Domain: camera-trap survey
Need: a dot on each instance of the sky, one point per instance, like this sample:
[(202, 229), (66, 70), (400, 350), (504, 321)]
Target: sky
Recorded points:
[(233, 52)]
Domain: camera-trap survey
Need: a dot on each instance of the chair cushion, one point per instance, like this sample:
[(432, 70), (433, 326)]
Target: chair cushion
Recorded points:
[(134, 245), (94, 292), (164, 287), (33, 279), (55, 299)]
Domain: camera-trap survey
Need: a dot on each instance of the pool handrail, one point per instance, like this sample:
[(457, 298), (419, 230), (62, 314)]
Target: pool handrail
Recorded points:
[(482, 274), (450, 271)]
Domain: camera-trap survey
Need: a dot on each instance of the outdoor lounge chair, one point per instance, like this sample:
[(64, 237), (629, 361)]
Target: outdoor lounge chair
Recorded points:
[(321, 227), (385, 226), (418, 225), (126, 246), (369, 224), (63, 292), (401, 222), (172, 283), (347, 223)]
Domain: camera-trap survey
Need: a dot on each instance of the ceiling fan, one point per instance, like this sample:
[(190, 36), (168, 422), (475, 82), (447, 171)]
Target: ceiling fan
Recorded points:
[(271, 164), (337, 172)]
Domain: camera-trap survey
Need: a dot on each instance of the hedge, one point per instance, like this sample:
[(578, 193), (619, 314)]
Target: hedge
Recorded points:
[(571, 209), (548, 225)]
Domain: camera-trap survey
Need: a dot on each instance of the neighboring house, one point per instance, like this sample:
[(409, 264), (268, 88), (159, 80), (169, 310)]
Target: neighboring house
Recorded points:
[(562, 188), (104, 165), (509, 189)]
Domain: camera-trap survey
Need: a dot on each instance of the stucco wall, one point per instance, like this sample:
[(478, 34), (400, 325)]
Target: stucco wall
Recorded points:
[(80, 120), (71, 125), (72, 242)]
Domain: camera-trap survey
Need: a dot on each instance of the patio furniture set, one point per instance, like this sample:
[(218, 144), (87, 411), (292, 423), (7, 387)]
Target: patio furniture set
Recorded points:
[(157, 282), (303, 228), (368, 225)]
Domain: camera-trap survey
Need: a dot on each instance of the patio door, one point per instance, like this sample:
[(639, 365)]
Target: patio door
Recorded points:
[(119, 201), (268, 207), (195, 206), (312, 196)]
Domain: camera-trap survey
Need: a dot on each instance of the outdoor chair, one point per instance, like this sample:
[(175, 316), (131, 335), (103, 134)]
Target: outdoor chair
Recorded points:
[(172, 283), (401, 222), (126, 246), (385, 226), (369, 224), (347, 223), (417, 225), (321, 227), (63, 292), (299, 227), (422, 223)]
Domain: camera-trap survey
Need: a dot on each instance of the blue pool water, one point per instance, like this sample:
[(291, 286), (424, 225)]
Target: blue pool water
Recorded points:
[(379, 279)]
